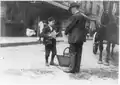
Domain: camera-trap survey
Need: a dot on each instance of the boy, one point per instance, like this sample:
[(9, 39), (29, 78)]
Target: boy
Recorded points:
[(49, 35)]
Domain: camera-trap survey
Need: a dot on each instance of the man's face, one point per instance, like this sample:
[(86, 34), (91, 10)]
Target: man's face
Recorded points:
[(51, 23), (106, 11), (73, 10), (106, 8)]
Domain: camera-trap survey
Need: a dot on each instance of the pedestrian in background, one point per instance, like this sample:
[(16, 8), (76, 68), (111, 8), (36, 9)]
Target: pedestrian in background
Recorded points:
[(41, 25)]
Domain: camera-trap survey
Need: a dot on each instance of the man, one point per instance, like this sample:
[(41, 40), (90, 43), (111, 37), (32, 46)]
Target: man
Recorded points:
[(76, 36), (49, 40)]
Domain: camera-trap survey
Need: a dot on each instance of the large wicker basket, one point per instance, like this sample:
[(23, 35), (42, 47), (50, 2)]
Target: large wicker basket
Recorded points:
[(64, 60)]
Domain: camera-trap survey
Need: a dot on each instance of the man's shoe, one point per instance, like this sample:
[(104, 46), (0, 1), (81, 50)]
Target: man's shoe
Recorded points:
[(77, 71), (52, 63), (106, 63), (46, 64), (70, 71), (100, 62)]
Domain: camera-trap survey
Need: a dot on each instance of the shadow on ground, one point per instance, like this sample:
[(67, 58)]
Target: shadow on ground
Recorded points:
[(96, 72), (32, 73), (84, 74), (114, 60)]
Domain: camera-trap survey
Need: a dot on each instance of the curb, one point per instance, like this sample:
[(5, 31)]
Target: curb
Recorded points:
[(18, 44), (14, 44)]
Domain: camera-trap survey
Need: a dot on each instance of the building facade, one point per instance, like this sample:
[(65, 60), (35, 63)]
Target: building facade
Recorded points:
[(24, 14)]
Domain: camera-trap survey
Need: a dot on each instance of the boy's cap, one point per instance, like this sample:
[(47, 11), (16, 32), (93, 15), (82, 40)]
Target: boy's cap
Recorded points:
[(51, 19)]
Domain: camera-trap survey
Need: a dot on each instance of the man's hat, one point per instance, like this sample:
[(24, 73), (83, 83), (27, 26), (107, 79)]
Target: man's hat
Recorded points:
[(73, 5)]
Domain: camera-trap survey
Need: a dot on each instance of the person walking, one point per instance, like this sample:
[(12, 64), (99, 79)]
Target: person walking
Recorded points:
[(76, 36)]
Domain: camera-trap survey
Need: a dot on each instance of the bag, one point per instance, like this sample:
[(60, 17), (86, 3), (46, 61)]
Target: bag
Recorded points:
[(48, 41)]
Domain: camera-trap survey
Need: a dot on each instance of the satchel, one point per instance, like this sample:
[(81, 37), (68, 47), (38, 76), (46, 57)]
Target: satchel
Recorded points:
[(48, 41)]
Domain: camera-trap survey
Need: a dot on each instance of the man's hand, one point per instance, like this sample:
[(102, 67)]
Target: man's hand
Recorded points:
[(49, 34), (89, 18), (92, 19)]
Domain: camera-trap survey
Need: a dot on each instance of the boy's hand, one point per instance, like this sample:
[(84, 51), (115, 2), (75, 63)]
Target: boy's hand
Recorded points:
[(53, 34), (50, 36)]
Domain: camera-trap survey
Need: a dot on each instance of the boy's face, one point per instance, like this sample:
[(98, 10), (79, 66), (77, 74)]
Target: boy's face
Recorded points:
[(51, 23)]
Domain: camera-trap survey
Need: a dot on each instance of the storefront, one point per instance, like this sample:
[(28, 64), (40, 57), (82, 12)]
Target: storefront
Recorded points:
[(27, 12)]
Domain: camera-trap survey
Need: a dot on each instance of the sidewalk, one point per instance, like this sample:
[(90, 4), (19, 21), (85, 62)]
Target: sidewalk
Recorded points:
[(17, 41)]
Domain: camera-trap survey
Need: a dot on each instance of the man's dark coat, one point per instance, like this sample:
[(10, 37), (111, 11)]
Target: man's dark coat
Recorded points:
[(76, 29)]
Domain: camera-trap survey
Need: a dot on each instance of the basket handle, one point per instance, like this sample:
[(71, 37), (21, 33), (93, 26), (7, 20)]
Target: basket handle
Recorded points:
[(65, 50)]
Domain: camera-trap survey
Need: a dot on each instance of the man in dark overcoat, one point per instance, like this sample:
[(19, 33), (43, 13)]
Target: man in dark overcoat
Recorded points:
[(76, 36)]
